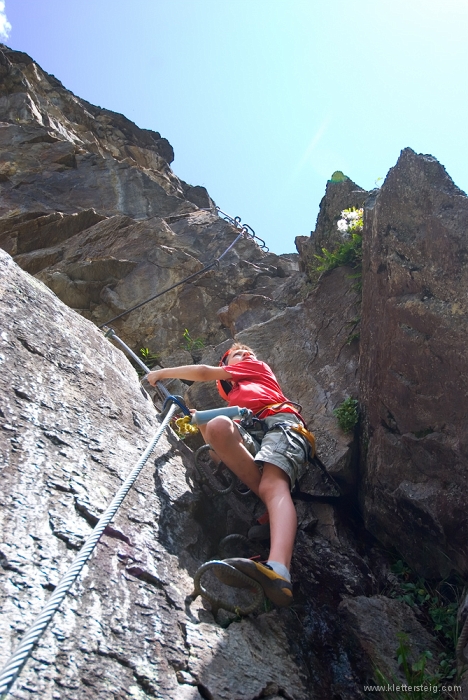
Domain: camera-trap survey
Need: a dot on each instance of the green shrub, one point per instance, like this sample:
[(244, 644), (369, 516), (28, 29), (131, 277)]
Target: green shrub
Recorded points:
[(347, 414), (348, 253), (436, 607), (420, 685)]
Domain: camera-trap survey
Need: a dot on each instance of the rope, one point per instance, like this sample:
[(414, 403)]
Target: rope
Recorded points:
[(13, 667)]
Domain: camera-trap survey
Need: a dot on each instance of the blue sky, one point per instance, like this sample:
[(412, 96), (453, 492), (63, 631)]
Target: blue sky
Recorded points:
[(263, 100)]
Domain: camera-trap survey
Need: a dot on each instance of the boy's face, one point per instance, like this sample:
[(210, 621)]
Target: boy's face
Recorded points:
[(238, 356)]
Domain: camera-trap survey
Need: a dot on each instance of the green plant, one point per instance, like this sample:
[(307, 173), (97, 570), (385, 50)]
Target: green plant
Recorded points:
[(347, 414), (439, 604), (149, 358), (348, 253), (338, 176), (350, 226), (419, 685), (190, 343), (436, 607)]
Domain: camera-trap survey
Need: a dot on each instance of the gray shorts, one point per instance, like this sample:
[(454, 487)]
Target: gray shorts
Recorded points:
[(288, 452)]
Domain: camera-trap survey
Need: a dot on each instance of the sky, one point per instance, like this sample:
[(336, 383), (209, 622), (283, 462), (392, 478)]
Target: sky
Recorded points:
[(262, 100)]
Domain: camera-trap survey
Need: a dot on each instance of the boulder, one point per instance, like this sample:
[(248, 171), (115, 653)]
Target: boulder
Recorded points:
[(380, 626)]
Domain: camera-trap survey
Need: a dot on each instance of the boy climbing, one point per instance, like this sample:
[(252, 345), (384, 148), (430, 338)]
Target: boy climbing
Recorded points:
[(249, 383)]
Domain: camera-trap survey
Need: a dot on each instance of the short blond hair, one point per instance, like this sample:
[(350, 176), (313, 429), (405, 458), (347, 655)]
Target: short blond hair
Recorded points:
[(233, 348)]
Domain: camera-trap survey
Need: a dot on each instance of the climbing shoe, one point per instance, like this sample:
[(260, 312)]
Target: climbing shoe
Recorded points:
[(275, 587)]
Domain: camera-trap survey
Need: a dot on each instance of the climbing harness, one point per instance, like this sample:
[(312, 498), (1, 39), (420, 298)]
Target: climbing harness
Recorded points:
[(300, 429), (258, 429), (16, 662), (245, 231)]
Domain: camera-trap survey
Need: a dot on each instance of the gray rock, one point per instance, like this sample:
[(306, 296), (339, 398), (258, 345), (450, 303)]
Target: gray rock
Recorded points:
[(338, 196), (376, 623), (73, 422), (414, 379)]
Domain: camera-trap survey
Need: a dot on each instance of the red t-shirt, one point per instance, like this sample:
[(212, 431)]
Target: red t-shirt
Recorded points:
[(255, 386)]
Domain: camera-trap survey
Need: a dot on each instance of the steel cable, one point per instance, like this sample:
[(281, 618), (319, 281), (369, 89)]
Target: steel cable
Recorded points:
[(177, 284), (246, 231), (14, 665)]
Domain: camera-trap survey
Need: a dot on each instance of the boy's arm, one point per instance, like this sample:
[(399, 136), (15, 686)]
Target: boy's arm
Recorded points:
[(192, 373)]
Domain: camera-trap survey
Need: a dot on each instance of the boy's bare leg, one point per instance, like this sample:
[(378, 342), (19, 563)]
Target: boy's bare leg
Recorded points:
[(275, 493), (272, 485), (225, 439)]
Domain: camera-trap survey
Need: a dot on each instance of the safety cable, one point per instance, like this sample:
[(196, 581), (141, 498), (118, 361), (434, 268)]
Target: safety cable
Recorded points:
[(245, 231), (13, 667), (248, 230)]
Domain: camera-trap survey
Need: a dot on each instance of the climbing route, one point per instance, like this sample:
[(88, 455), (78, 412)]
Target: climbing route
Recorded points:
[(245, 231)]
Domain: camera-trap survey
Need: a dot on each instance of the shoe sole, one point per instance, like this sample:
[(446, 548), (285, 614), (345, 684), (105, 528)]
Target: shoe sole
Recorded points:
[(230, 579), (276, 588)]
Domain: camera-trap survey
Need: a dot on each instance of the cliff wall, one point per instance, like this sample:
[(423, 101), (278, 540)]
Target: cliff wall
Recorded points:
[(93, 214)]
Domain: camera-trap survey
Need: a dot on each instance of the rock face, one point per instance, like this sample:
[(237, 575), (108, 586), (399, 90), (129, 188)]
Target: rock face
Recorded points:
[(62, 153), (91, 208), (414, 377), (73, 422), (308, 345), (89, 204)]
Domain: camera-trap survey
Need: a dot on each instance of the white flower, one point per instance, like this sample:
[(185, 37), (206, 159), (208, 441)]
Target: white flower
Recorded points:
[(342, 226)]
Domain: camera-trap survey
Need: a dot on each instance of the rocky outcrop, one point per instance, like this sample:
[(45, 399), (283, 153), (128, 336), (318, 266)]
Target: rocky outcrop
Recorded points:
[(91, 208), (339, 195), (89, 204), (73, 421), (63, 154), (413, 366)]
